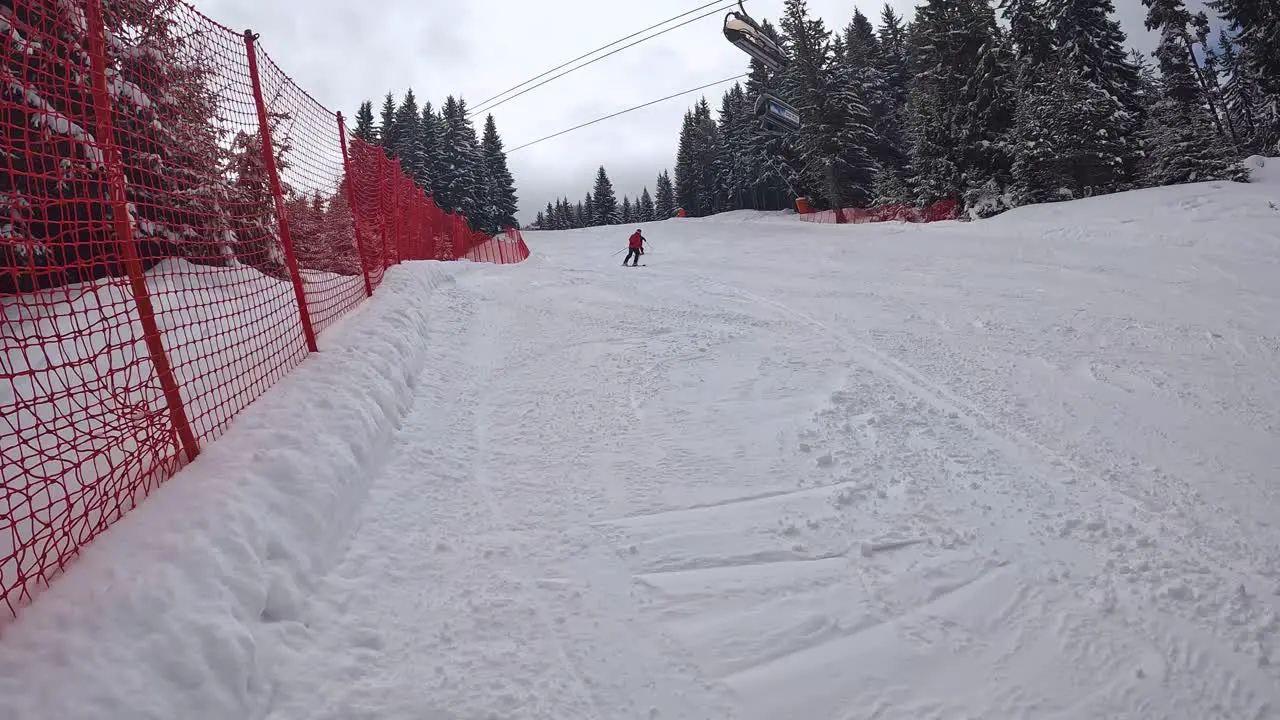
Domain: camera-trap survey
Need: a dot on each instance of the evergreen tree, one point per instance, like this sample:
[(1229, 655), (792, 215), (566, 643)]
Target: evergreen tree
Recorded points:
[(408, 144), (502, 188), (578, 215), (540, 222), (645, 213), (1031, 34), (1089, 40), (458, 188), (550, 218), (706, 146), (1148, 80), (1183, 136), (627, 214), (961, 101), (835, 136), (1183, 77), (686, 185), (1256, 26), (605, 202), (1240, 94), (1060, 156), (736, 132), (430, 143), (387, 125), (364, 123), (665, 203), (589, 217), (570, 217), (869, 68)]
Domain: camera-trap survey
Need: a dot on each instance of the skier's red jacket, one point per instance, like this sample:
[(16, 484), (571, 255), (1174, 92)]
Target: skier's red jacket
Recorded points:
[(637, 241)]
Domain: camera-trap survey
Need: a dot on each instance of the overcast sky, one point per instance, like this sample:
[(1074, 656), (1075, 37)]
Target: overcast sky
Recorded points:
[(344, 52)]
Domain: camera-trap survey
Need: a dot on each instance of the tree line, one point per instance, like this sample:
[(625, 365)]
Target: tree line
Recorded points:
[(463, 173), (1049, 105)]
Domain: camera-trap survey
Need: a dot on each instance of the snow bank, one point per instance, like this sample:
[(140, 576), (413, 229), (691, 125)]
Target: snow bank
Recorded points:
[(77, 359), (1263, 169), (170, 612)]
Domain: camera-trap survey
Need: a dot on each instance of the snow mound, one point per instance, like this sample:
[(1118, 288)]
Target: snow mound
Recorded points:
[(1263, 169)]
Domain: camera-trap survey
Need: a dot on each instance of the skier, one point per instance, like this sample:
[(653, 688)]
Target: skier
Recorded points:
[(635, 246)]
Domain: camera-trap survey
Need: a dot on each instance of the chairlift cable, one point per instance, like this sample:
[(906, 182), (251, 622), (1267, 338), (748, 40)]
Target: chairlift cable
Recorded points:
[(631, 109), (481, 108), (593, 52)]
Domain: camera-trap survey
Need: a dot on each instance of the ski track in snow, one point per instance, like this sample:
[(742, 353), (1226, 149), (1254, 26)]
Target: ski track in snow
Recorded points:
[(1015, 468)]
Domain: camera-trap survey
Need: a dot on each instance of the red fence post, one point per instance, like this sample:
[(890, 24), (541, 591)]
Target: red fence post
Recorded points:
[(351, 200), (282, 217), (119, 203)]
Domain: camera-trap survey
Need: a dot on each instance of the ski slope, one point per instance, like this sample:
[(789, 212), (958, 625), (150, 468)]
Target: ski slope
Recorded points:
[(1022, 467)]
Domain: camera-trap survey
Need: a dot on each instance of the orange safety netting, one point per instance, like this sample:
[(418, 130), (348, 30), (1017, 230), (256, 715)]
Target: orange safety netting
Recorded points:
[(939, 211), (178, 220)]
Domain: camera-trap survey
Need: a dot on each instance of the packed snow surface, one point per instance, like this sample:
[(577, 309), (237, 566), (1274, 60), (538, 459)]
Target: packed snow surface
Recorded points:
[(1024, 467)]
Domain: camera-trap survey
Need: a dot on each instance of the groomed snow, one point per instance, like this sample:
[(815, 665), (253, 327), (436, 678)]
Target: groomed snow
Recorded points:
[(1023, 467)]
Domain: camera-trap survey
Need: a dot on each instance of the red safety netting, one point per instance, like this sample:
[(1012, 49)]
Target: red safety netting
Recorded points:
[(179, 221), (941, 210)]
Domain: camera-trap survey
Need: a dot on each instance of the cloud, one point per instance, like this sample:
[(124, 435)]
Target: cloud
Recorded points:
[(344, 52)]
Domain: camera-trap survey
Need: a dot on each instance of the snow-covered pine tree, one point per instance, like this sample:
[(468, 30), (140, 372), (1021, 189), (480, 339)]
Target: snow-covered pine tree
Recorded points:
[(457, 188), (589, 217), (891, 126), (686, 183), (1088, 38), (364, 123), (1183, 140), (627, 214), (960, 104), (253, 220), (733, 180), (502, 187), (1148, 80), (387, 123), (645, 213), (1061, 155), (434, 131), (410, 144), (706, 159), (665, 202), (548, 218), (1212, 78), (1031, 35), (989, 112), (867, 65), (164, 108), (558, 215), (1240, 94), (1180, 32), (835, 136), (605, 202), (576, 214), (428, 147), (1255, 25)]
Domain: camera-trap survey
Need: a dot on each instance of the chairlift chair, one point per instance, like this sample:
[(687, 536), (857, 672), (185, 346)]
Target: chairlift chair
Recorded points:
[(776, 115), (747, 34)]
